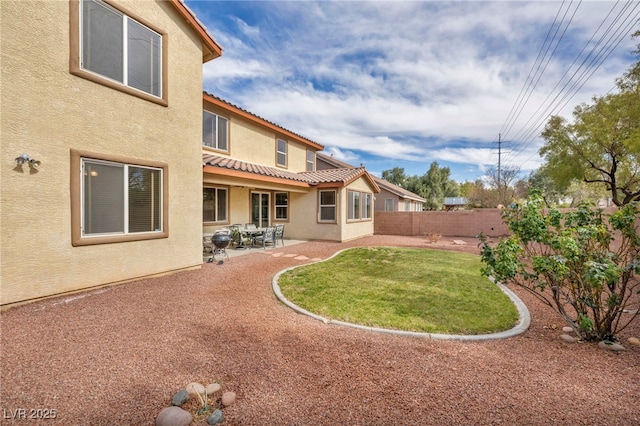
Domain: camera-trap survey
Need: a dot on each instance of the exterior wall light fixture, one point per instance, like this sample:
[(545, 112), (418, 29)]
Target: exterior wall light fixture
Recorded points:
[(24, 158)]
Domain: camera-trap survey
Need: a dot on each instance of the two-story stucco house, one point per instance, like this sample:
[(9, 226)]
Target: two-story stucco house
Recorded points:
[(391, 198), (255, 171), (101, 175)]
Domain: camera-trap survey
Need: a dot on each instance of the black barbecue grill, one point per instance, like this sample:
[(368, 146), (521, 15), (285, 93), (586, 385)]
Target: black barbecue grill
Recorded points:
[(219, 243)]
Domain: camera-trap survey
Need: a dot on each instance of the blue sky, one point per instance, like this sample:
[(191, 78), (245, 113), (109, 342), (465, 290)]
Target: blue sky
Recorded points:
[(403, 84)]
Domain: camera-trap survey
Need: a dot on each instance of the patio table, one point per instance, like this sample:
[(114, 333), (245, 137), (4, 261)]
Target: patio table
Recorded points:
[(252, 233)]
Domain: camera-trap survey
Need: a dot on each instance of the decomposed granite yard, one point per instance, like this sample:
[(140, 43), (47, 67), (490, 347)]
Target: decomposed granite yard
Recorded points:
[(117, 355)]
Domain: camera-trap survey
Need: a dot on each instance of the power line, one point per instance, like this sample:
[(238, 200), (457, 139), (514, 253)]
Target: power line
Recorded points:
[(598, 54), (511, 117)]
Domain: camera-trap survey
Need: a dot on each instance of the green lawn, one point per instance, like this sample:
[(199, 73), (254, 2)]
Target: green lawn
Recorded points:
[(403, 289)]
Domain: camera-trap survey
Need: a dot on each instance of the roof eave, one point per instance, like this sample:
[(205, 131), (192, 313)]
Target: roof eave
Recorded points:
[(210, 48)]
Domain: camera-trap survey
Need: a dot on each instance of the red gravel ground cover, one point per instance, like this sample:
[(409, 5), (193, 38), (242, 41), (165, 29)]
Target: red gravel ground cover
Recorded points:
[(117, 356)]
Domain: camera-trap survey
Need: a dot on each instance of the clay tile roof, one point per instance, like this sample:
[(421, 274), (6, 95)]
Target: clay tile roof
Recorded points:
[(233, 164), (334, 175), (338, 176)]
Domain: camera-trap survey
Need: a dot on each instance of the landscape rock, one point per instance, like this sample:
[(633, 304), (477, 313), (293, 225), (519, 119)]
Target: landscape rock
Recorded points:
[(634, 341), (568, 339), (567, 329), (610, 346), (173, 416), (216, 417), (228, 398), (195, 388), (180, 398), (212, 388)]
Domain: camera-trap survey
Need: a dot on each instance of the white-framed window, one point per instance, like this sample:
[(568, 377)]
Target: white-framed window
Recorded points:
[(366, 205), (311, 160), (354, 205), (281, 152), (327, 207), (407, 205), (214, 204), (282, 205), (215, 131), (359, 205), (120, 198), (388, 205), (119, 48)]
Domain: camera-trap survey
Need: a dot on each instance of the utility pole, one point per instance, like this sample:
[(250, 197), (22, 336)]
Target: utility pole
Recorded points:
[(499, 158)]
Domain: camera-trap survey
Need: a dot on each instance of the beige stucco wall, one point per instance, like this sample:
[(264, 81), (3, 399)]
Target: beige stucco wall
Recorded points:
[(256, 144), (46, 111), (303, 209)]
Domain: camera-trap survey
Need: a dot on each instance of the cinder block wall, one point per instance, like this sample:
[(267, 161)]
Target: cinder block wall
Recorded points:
[(459, 223)]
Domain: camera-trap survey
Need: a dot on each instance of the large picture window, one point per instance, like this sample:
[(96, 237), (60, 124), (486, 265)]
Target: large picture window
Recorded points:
[(117, 50), (214, 205), (282, 205), (114, 200), (120, 198), (359, 205), (215, 131), (327, 206)]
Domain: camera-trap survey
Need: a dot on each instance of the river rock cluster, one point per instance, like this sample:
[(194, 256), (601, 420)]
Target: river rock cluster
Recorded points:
[(176, 415), (568, 337)]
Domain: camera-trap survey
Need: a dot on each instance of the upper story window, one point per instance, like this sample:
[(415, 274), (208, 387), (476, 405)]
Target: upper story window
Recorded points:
[(118, 51), (215, 131), (281, 153), (311, 161)]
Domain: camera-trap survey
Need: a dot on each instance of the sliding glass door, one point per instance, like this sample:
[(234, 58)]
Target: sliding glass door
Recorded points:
[(260, 209)]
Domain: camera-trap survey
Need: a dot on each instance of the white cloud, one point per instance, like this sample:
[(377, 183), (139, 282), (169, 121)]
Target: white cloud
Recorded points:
[(402, 80)]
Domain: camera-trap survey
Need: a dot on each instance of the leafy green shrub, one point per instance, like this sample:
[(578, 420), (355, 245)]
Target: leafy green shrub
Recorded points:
[(584, 264)]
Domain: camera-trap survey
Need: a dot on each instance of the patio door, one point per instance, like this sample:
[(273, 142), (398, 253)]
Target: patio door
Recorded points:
[(260, 209)]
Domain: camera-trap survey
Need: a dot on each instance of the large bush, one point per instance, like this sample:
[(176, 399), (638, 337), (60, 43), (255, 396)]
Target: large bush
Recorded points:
[(584, 264)]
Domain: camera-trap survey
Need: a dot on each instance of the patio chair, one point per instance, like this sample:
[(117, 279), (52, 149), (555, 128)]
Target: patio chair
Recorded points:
[(239, 240), (250, 226), (279, 235), (207, 245), (267, 237)]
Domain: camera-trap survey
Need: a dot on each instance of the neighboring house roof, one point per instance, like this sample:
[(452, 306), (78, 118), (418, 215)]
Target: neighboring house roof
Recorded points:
[(320, 178), (398, 190), (210, 48), (215, 100), (332, 161), (381, 183)]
